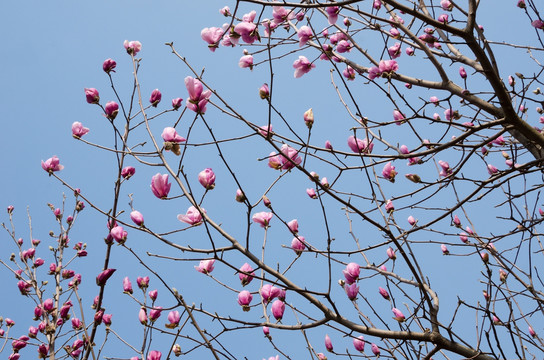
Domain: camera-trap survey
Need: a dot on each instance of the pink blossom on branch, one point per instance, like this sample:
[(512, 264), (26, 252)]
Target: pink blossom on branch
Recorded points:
[(155, 98), (212, 36), (160, 186), (78, 130), (246, 61), (205, 266), (246, 274), (351, 273), (197, 97), (244, 299), (92, 95), (169, 134), (111, 110), (207, 178), (52, 164), (262, 218), (193, 217), (304, 34), (132, 47), (109, 65), (302, 66), (278, 308)]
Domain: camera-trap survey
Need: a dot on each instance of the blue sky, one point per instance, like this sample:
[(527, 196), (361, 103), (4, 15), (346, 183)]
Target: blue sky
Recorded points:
[(56, 49)]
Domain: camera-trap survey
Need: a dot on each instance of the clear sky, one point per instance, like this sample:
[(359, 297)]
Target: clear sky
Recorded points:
[(53, 50)]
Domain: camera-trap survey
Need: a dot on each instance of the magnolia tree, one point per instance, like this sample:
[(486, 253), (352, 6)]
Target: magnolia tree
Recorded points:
[(396, 215)]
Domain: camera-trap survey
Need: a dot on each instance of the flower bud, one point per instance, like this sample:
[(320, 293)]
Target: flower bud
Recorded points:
[(155, 97), (309, 118), (92, 95), (264, 92), (109, 65)]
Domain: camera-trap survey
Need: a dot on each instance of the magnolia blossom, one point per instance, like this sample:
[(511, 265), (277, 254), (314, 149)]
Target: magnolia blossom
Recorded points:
[(293, 226), (349, 73), (111, 110), (328, 343), (247, 29), (102, 277), (197, 97), (169, 134), (290, 157), (205, 266), (119, 234), (332, 12), (375, 349), (395, 51), (174, 318), (278, 308), (127, 286), (302, 66), (539, 24), (359, 343), (244, 299), (155, 97), (298, 244), (246, 274), (311, 193), (389, 172), (212, 36), (352, 291), (444, 249), (391, 253), (52, 164), (78, 130), (92, 95), (193, 216), (389, 207), (446, 5), (160, 186), (109, 65), (246, 61), (269, 292), (154, 355), (399, 316), (304, 34), (492, 170), (351, 272), (132, 47), (383, 293), (207, 178), (446, 171), (176, 103), (262, 218), (360, 146), (137, 218), (127, 172)]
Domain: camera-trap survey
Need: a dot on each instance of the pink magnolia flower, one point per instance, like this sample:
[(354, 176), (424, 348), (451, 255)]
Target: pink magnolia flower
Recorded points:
[(328, 145), (174, 318), (443, 18), (388, 66), (391, 253), (328, 343), (155, 97), (176, 103), (444, 249), (395, 34), (463, 237), (104, 276), (278, 308), (264, 91), (389, 207), (137, 218), (106, 319), (246, 61), (359, 343), (52, 164), (247, 29), (205, 266), (539, 24), (532, 331), (351, 273), (456, 221), (383, 293), (153, 294), (308, 117), (411, 220), (289, 158), (119, 234), (246, 274), (225, 11), (311, 193), (109, 65), (212, 36), (394, 51), (389, 172), (484, 256), (132, 47), (143, 282), (111, 109), (240, 196), (154, 355), (193, 217), (377, 4), (446, 171), (304, 35), (293, 226), (160, 186), (169, 134), (266, 131), (343, 46), (269, 292), (298, 244), (360, 146), (207, 178), (352, 291), (263, 218), (492, 170), (197, 97), (399, 316), (127, 172), (127, 286), (302, 66), (446, 5), (398, 117), (332, 12), (375, 349), (349, 73), (92, 95), (78, 130), (244, 299)]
